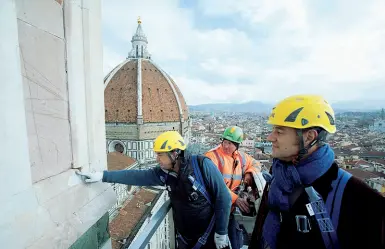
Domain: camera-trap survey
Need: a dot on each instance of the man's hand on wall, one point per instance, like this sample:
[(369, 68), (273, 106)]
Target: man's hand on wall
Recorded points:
[(90, 177)]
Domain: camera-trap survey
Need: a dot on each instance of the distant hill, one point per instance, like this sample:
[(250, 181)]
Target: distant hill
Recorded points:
[(264, 108), (358, 106), (252, 106)]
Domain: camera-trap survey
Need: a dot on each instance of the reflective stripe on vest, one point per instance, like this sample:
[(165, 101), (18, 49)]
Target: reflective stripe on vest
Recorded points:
[(235, 177), (243, 161), (221, 163)]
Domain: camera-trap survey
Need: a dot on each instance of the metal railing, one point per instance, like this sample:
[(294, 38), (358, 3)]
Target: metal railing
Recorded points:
[(145, 236)]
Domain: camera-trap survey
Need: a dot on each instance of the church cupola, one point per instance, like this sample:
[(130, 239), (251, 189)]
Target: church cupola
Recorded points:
[(139, 44)]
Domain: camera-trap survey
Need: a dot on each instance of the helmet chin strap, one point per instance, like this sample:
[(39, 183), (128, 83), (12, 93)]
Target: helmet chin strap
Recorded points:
[(303, 150), (173, 159)]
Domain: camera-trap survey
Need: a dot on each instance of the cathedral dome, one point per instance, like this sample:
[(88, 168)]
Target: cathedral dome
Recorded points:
[(139, 91)]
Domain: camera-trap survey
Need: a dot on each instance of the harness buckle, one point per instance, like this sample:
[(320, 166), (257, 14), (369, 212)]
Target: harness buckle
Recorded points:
[(303, 223), (202, 240), (325, 225), (193, 196)]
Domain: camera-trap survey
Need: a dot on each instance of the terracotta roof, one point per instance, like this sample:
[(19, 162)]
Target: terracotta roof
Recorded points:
[(120, 95), (122, 225), (381, 161), (118, 161), (379, 174), (349, 147), (362, 162), (159, 103), (342, 152), (182, 100), (362, 174), (373, 154)]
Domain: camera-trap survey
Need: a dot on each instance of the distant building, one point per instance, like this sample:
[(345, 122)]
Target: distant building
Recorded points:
[(266, 147), (141, 102), (378, 126), (198, 148), (248, 143), (377, 184)]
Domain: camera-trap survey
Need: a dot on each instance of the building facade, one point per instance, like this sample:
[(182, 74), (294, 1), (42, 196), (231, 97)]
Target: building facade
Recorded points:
[(141, 102), (52, 123), (378, 126)]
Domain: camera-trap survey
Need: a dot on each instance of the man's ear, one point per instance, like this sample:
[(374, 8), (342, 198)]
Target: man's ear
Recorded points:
[(309, 136), (175, 154)]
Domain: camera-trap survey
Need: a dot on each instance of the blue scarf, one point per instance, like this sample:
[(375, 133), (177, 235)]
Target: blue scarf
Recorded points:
[(286, 178)]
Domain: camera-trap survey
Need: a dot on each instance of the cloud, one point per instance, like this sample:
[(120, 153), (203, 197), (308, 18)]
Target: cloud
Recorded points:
[(233, 51), (111, 59), (199, 91), (164, 23)]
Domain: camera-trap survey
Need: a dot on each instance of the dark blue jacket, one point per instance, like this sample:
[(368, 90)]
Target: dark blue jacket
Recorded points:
[(157, 177)]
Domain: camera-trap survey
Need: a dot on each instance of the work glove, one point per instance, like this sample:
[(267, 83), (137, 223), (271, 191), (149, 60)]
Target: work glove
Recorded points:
[(90, 177), (222, 241)]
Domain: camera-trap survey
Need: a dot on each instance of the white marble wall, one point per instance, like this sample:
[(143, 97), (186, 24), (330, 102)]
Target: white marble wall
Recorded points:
[(43, 205), (42, 56), (14, 156)]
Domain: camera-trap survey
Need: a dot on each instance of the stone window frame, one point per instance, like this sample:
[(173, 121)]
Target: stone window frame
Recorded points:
[(112, 144)]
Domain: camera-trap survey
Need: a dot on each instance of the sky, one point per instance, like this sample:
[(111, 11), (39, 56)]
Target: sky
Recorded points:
[(233, 51)]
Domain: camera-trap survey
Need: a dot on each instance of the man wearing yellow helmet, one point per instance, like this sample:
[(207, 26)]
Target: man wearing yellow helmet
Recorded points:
[(199, 197), (310, 202)]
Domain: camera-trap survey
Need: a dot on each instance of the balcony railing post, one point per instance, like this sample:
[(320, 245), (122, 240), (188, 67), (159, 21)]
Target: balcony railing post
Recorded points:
[(145, 236), (171, 230)]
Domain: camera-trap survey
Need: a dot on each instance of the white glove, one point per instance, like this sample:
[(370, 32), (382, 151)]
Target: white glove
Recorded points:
[(90, 177), (221, 241)]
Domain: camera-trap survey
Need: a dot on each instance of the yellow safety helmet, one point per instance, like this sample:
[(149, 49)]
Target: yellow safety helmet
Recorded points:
[(169, 141), (303, 111)]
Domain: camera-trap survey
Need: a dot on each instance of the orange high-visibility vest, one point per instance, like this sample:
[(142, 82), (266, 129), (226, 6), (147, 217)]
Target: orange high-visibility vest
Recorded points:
[(233, 167)]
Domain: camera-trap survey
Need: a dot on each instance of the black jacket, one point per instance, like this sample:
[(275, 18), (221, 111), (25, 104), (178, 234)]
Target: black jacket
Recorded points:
[(193, 213), (361, 222)]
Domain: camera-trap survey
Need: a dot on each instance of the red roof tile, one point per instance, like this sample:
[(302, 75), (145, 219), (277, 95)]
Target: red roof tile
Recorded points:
[(362, 174), (122, 225), (118, 161)]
